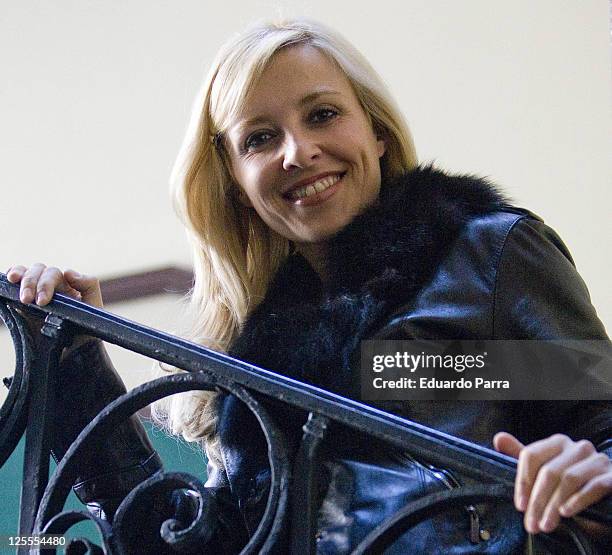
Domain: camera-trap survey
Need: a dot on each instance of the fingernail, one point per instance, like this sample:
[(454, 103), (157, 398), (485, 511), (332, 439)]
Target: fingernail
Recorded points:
[(40, 298), (565, 510), (521, 502), (23, 295)]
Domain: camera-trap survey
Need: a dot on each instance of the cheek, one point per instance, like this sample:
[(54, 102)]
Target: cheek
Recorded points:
[(258, 190), (364, 146), (248, 179), (241, 190), (258, 176)]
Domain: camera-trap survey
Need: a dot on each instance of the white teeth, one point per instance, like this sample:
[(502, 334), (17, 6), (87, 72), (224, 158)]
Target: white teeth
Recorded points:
[(316, 187)]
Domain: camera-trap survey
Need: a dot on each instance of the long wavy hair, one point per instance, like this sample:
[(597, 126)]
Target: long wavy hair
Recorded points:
[(235, 254)]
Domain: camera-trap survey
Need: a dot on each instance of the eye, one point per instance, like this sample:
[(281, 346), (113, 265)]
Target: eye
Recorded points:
[(322, 115), (257, 140)]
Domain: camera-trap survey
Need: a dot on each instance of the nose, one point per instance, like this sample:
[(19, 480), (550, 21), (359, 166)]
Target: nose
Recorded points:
[(299, 151)]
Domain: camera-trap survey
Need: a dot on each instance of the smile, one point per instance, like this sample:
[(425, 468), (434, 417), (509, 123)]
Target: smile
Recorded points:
[(313, 188)]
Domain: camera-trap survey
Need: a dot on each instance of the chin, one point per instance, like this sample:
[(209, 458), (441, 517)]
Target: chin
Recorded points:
[(319, 236)]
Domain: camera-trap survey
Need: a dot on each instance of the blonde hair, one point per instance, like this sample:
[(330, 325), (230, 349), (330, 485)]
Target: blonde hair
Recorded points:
[(235, 253)]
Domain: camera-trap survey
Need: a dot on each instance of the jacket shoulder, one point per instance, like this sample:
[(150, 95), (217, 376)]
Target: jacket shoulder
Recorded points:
[(514, 224), (458, 299), (497, 224), (505, 234), (490, 264), (482, 241), (538, 293)]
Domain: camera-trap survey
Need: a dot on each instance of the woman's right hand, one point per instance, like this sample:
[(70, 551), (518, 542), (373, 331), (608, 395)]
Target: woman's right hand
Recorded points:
[(40, 282)]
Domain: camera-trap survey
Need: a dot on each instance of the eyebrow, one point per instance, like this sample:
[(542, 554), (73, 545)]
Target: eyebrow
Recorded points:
[(307, 99), (316, 94)]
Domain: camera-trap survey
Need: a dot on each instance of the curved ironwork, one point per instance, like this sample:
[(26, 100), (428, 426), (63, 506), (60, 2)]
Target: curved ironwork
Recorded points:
[(433, 445), (61, 523), (134, 529), (384, 535), (13, 413), (208, 370), (59, 486)]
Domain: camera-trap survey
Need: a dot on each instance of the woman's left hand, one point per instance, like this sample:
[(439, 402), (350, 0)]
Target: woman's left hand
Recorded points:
[(556, 477)]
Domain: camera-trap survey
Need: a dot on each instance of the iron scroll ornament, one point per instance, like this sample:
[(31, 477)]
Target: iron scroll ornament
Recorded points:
[(125, 537), (206, 369), (13, 415)]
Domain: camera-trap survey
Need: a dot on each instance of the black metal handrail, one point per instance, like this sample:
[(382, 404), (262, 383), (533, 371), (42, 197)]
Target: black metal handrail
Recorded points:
[(207, 369)]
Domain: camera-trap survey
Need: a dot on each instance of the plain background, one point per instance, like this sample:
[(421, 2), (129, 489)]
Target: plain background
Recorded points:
[(95, 97)]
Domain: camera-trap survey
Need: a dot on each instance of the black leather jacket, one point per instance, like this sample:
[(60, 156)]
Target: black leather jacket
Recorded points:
[(494, 272), (439, 257)]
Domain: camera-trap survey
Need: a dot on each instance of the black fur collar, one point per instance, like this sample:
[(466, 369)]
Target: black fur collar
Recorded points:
[(379, 261)]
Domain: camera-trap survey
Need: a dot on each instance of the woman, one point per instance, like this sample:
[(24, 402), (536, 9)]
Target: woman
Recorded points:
[(313, 229)]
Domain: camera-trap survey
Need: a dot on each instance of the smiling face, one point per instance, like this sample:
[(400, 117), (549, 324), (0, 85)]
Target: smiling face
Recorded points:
[(303, 151)]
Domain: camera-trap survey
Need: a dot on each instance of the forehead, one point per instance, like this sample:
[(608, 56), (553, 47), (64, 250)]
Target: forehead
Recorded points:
[(293, 75)]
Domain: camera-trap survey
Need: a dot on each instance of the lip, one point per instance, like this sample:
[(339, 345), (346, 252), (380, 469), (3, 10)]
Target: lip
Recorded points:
[(317, 198), (310, 180)]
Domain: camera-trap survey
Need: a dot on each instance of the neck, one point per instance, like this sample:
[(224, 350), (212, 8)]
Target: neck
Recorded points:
[(316, 255)]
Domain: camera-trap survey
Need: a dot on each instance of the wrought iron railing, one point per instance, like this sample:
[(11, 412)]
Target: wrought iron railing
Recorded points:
[(29, 408)]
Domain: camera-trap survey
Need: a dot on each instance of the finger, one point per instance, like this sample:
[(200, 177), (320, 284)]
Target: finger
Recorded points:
[(88, 286), (572, 481), (15, 273), (64, 286), (593, 491), (50, 281), (548, 480), (29, 282), (507, 444), (531, 458)]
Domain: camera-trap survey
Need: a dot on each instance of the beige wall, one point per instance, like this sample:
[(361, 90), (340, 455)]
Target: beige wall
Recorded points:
[(94, 98)]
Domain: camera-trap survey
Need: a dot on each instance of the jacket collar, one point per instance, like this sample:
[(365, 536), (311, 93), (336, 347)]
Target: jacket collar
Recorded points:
[(400, 239)]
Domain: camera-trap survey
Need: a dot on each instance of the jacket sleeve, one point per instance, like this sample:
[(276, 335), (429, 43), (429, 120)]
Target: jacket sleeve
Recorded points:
[(230, 533), (540, 295), (87, 382)]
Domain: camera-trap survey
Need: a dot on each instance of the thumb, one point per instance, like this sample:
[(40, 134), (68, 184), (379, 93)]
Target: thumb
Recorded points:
[(507, 444)]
